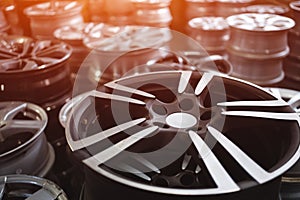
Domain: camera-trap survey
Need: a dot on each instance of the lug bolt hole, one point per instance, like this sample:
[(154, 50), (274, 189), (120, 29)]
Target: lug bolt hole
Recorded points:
[(161, 182), (186, 104), (187, 179), (159, 109)]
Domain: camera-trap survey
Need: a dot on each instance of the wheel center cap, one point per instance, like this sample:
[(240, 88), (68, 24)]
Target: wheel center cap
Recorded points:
[(181, 120)]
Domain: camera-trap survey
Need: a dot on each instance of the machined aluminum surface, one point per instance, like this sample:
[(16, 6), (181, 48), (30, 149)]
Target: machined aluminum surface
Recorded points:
[(24, 148), (259, 27), (29, 188), (257, 46), (295, 6), (32, 70), (200, 8), (46, 17), (67, 108), (268, 8), (294, 44), (291, 67), (74, 35), (211, 32), (227, 8), (119, 48), (168, 109), (152, 13), (4, 25), (13, 20)]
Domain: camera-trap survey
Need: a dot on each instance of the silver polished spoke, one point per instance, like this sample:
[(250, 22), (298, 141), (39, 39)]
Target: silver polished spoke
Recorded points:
[(103, 95), (146, 163), (198, 169), (215, 168), (9, 111), (184, 81), (266, 115), (263, 103), (276, 92), (26, 47), (46, 60), (51, 49), (253, 169), (112, 151), (82, 143), (8, 52), (42, 194), (39, 45), (2, 187), (186, 161), (294, 102), (204, 81), (134, 171), (7, 56), (30, 65), (116, 86), (24, 124)]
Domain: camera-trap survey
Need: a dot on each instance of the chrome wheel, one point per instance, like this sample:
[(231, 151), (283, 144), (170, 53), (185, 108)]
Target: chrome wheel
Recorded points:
[(40, 68), (22, 133), (29, 187)]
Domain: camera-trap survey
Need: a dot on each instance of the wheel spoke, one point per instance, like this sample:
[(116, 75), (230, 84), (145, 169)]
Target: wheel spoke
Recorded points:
[(134, 171), (8, 112), (116, 97), (26, 46), (42, 194), (46, 60), (266, 115), (39, 45), (294, 102), (7, 55), (146, 163), (204, 81), (116, 86), (24, 124), (112, 151), (30, 65), (51, 49), (254, 170), (215, 168), (85, 142), (198, 169), (2, 187), (184, 81), (268, 103), (186, 161), (276, 92)]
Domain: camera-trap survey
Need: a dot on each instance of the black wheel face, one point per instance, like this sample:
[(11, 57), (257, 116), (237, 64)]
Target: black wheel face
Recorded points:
[(185, 133), (20, 54)]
